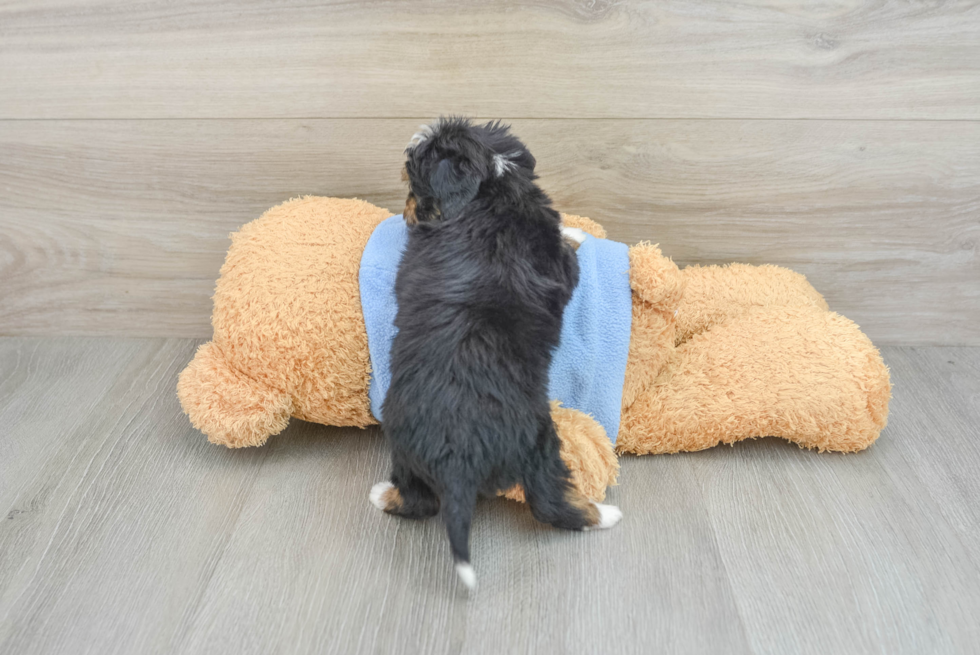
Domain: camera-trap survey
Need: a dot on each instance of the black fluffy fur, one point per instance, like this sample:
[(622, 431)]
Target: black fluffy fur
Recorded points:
[(481, 290)]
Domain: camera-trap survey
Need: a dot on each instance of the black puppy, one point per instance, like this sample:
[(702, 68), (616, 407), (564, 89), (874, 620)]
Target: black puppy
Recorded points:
[(481, 289)]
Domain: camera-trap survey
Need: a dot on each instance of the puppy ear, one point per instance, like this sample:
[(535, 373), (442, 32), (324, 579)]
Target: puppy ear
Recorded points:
[(526, 160), (519, 158), (453, 189)]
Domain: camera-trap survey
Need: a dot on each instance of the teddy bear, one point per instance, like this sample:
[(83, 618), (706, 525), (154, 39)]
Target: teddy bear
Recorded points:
[(715, 354)]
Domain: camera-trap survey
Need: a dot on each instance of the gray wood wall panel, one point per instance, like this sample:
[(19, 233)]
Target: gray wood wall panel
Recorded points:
[(842, 140), (119, 227), (602, 58)]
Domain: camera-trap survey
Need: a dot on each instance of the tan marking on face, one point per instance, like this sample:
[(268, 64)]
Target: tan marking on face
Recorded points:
[(409, 213), (405, 173)]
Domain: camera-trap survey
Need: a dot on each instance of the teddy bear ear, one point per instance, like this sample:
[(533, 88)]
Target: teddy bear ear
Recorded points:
[(655, 278)]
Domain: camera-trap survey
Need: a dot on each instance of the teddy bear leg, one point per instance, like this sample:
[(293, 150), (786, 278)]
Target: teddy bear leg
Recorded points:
[(715, 294), (806, 375), (230, 408)]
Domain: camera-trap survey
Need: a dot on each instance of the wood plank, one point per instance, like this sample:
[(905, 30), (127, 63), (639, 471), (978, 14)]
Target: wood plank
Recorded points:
[(214, 58), (49, 390), (938, 440), (841, 553), (116, 518), (136, 535), (342, 578), (37, 376), (120, 227), (152, 540)]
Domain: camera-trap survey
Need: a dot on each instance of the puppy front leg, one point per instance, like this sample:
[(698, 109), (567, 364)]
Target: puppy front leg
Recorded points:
[(573, 236)]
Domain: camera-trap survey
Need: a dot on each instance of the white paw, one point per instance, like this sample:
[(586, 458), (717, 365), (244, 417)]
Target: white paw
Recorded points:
[(573, 233), (466, 575), (609, 515), (377, 491)]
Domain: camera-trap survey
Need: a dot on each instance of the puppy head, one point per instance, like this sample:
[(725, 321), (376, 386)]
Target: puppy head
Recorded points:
[(450, 161)]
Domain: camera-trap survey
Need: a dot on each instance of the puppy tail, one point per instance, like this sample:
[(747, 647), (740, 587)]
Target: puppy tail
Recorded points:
[(458, 513)]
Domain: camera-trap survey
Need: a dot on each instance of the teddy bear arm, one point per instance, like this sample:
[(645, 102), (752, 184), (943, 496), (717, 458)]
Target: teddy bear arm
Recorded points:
[(651, 347), (655, 278), (657, 289)]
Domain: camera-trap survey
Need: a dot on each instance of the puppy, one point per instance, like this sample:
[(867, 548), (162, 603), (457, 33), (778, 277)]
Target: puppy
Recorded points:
[(481, 289)]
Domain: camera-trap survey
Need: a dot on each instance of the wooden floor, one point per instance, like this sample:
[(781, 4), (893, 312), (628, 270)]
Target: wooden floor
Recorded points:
[(125, 531)]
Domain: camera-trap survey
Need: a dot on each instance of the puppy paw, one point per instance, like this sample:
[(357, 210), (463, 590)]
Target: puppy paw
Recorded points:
[(385, 496), (573, 235), (609, 515)]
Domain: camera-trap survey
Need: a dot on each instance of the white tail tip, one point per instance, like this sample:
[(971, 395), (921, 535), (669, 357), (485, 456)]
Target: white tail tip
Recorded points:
[(466, 574)]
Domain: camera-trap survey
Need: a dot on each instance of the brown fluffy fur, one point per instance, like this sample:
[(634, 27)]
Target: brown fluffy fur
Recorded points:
[(289, 336), (717, 354)]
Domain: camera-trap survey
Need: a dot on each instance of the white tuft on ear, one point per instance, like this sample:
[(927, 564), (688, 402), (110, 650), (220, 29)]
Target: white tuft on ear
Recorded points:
[(502, 164), (425, 131)]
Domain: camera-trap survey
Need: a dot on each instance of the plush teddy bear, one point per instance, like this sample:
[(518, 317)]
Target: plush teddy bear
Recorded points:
[(716, 354)]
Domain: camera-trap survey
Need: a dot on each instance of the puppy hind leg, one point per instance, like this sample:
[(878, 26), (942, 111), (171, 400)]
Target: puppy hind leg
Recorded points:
[(553, 498), (405, 495)]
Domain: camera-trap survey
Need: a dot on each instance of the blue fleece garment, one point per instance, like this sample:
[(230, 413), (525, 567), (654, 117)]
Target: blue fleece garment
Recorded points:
[(589, 366)]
